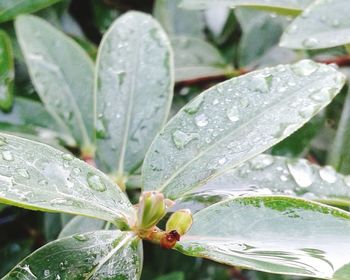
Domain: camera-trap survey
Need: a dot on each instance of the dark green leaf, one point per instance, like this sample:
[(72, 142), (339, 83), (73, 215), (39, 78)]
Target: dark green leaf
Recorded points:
[(7, 72), (9, 9), (80, 225)]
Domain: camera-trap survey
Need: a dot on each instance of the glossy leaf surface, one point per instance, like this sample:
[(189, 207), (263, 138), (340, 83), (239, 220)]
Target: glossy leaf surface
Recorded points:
[(274, 234), (134, 88), (39, 177), (7, 71), (66, 88), (283, 6), (195, 58), (9, 9), (96, 255), (272, 175), (234, 121), (323, 24)]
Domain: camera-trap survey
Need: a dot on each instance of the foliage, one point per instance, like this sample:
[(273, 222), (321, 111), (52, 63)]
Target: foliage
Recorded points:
[(244, 172)]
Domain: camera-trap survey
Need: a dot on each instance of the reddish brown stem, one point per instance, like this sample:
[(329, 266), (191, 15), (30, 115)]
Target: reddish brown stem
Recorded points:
[(343, 60), (89, 159)]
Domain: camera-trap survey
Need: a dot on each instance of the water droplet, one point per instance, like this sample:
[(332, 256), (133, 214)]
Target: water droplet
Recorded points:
[(194, 106), (304, 67), (181, 139), (222, 161), (95, 182), (233, 114), (328, 174), (7, 155), (335, 23), (46, 273), (292, 29), (201, 120), (76, 171), (323, 94), (307, 112), (23, 173), (216, 101), (261, 162), (80, 237), (301, 172), (67, 157), (2, 141), (310, 43), (284, 178), (347, 180)]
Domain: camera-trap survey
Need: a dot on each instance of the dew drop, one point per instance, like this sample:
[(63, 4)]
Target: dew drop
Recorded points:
[(7, 155), (301, 172), (261, 162), (233, 114), (95, 182), (310, 43), (335, 23), (304, 67), (328, 174), (307, 112), (80, 237), (181, 139), (201, 120), (194, 106), (67, 157), (23, 173)]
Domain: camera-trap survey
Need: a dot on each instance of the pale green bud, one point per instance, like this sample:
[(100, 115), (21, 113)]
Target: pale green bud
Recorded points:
[(151, 210), (181, 221)]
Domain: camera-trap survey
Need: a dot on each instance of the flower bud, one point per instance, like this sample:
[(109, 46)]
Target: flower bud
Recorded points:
[(169, 239), (181, 221), (151, 210)]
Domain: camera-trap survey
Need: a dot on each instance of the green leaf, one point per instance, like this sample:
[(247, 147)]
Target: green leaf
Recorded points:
[(9, 9), (177, 21), (278, 6), (96, 255), (234, 121), (62, 74), (195, 58), (173, 276), (261, 31), (53, 224), (7, 71), (80, 225), (339, 155), (273, 234), (39, 177), (134, 68), (104, 15), (267, 175), (30, 117), (342, 273), (323, 24), (12, 253)]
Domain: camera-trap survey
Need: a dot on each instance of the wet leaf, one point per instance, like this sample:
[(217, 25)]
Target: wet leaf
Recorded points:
[(273, 234), (62, 74), (195, 58), (39, 177), (9, 9), (7, 71), (30, 117), (323, 24), (261, 31), (177, 21), (96, 255), (79, 225), (279, 6), (234, 121), (134, 69), (273, 175)]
